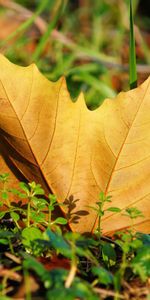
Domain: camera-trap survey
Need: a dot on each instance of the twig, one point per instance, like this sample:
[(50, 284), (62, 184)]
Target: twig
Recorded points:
[(71, 276), (13, 257), (107, 293), (11, 274), (135, 291), (141, 68)]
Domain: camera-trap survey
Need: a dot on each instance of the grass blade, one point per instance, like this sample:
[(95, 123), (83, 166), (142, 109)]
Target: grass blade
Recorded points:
[(132, 58), (47, 33)]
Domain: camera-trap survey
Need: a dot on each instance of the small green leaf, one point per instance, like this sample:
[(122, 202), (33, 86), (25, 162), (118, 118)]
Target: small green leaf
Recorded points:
[(100, 213), (52, 199), (18, 193), (4, 177), (6, 234), (114, 209), (109, 254), (4, 195), (59, 243), (4, 241), (104, 276), (51, 208), (14, 216), (36, 188), (2, 214), (40, 217), (133, 212), (61, 221), (136, 244), (29, 235), (39, 191), (40, 203), (24, 187)]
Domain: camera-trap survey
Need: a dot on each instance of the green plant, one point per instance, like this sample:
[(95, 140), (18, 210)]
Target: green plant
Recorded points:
[(34, 209), (100, 210), (32, 190), (133, 213), (54, 282), (95, 257), (51, 207), (130, 245)]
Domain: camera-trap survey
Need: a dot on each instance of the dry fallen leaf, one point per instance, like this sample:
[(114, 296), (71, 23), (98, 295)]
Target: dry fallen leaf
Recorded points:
[(76, 152)]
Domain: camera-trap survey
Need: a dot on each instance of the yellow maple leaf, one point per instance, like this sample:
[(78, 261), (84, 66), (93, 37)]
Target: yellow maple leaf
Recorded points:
[(75, 152)]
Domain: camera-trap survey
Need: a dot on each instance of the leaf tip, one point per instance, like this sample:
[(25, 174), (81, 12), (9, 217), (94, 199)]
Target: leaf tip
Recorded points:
[(81, 100)]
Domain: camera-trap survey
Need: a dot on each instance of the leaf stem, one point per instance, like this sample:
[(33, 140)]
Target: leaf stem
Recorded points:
[(28, 212), (49, 218)]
